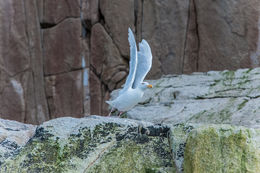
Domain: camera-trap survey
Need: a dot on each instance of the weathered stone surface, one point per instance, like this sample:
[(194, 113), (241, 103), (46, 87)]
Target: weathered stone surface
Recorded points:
[(65, 94), (164, 27), (53, 12), (13, 136), (118, 17), (228, 34), (93, 144), (215, 148), (90, 10), (185, 36), (100, 144), (109, 67), (86, 94), (95, 94), (21, 82), (62, 47), (230, 97)]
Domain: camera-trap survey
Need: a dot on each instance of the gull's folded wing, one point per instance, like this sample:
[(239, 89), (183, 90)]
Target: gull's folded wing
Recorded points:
[(133, 62), (144, 62)]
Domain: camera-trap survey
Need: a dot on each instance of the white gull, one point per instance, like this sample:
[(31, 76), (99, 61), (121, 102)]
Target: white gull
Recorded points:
[(140, 64)]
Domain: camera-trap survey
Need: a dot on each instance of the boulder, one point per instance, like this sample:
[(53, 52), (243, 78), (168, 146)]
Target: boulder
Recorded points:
[(53, 12), (62, 47), (215, 148), (112, 144), (228, 34), (90, 12), (109, 69), (92, 144), (65, 94), (21, 63), (118, 16), (229, 97), (13, 137), (164, 27)]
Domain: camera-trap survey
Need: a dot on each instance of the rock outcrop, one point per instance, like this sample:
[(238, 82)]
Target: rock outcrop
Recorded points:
[(44, 43), (229, 97), (92, 144), (100, 144), (199, 123)]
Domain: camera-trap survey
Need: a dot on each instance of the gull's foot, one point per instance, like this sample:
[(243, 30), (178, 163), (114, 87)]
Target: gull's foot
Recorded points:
[(112, 110)]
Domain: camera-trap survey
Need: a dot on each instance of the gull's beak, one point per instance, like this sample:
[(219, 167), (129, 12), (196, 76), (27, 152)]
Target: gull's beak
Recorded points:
[(149, 86)]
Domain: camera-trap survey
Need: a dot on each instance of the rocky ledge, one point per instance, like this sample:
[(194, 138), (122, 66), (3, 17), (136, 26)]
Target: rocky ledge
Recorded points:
[(199, 123)]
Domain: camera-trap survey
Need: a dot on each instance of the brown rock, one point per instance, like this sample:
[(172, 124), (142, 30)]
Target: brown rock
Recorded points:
[(119, 16), (90, 12), (86, 96), (62, 47), (65, 94), (228, 34), (105, 96), (164, 27), (13, 136), (95, 94), (191, 54), (53, 11), (21, 83), (105, 57)]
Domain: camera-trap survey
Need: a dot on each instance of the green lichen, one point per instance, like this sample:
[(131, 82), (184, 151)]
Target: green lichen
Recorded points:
[(218, 149), (241, 105), (127, 158), (113, 145), (215, 116), (249, 70)]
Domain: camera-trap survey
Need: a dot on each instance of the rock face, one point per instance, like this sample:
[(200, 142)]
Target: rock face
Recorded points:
[(92, 144), (199, 123), (100, 144), (21, 67), (215, 148), (53, 39), (42, 41), (229, 97)]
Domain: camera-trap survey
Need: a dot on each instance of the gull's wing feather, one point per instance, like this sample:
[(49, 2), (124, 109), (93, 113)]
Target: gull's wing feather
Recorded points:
[(133, 62), (144, 62)]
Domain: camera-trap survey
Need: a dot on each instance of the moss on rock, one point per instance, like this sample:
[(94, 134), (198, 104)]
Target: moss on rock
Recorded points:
[(222, 148), (113, 145)]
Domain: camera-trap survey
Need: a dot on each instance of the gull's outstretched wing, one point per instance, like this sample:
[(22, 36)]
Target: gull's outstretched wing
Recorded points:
[(133, 62), (144, 62)]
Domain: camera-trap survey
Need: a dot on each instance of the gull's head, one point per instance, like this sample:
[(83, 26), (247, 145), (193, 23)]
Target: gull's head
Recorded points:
[(144, 85)]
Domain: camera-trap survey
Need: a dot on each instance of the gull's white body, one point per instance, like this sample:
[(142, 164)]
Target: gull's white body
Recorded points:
[(140, 64), (128, 100)]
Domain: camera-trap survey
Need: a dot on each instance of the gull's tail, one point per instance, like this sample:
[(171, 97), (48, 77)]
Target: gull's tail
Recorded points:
[(111, 103), (108, 102)]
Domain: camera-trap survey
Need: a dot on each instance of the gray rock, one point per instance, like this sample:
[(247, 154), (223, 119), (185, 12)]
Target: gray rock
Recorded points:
[(229, 97), (215, 148), (93, 144), (13, 136)]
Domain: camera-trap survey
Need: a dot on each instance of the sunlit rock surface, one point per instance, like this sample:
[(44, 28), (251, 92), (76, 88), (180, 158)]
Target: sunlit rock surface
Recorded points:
[(225, 97), (215, 148), (93, 144)]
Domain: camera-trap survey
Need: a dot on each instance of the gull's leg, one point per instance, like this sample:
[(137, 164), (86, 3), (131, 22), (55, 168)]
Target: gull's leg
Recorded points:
[(110, 112)]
